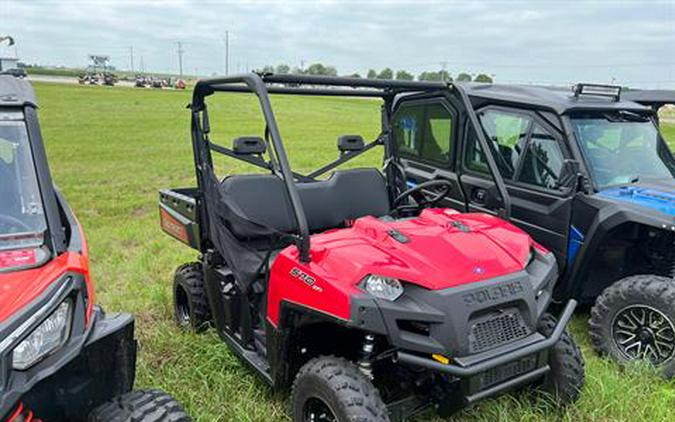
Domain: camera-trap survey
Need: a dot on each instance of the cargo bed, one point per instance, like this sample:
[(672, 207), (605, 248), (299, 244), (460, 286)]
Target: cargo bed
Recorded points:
[(179, 216)]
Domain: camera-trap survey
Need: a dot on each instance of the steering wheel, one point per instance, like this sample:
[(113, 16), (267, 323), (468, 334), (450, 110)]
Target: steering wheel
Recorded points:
[(9, 222), (422, 198)]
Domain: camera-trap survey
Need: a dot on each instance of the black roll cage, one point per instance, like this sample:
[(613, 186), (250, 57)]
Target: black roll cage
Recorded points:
[(309, 85)]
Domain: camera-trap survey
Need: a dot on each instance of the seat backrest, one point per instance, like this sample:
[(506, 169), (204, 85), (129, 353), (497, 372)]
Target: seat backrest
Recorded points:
[(346, 195)]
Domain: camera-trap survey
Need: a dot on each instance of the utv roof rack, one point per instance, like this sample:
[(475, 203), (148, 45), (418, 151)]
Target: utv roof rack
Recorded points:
[(317, 85), (598, 90)]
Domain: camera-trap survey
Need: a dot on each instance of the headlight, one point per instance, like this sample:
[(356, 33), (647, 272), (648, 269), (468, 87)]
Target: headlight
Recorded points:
[(383, 287), (47, 337)]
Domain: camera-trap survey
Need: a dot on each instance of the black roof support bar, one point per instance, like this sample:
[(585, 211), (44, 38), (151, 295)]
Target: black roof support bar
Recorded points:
[(320, 85), (257, 86), (353, 82), (505, 212), (325, 92)]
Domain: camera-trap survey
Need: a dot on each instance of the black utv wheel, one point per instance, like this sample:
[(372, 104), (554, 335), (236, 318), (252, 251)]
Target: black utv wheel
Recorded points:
[(566, 378), (330, 389), (634, 319), (141, 406), (191, 308)]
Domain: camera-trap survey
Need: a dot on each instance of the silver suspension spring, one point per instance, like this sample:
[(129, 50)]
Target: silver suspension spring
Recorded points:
[(366, 353)]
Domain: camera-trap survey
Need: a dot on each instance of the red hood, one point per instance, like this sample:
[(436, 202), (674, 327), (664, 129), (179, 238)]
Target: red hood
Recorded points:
[(19, 288), (444, 249)]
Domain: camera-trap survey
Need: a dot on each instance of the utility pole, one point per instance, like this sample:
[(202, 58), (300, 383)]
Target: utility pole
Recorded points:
[(131, 58), (180, 59), (444, 66), (227, 53), (142, 65)]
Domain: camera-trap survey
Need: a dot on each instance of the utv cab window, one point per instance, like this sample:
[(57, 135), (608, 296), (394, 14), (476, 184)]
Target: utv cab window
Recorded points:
[(20, 200), (424, 131), (622, 148), (524, 151), (507, 132), (543, 160)]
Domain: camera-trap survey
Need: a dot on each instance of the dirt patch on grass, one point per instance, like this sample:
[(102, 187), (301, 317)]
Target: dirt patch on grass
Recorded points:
[(139, 213)]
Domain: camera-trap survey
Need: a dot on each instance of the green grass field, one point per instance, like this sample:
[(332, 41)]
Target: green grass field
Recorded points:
[(111, 149)]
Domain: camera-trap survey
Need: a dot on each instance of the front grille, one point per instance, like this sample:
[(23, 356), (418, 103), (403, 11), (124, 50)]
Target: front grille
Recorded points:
[(507, 371), (497, 330)]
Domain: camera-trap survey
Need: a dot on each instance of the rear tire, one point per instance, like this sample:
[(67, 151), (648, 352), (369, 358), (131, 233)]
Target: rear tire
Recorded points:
[(191, 307), (141, 406), (331, 389), (567, 375), (634, 319)]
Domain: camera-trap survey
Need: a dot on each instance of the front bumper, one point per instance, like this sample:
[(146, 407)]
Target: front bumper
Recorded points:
[(97, 363), (483, 334), (459, 321), (492, 372)]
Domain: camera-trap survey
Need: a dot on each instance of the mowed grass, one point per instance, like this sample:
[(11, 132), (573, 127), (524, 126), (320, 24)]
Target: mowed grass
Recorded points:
[(111, 149)]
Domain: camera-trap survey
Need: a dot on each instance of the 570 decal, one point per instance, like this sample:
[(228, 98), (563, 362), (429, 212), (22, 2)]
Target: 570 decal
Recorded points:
[(305, 278)]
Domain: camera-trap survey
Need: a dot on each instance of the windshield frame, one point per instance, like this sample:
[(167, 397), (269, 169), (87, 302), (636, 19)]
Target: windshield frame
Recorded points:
[(582, 153)]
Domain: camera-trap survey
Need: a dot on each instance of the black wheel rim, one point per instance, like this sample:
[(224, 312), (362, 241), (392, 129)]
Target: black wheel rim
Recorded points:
[(316, 410), (644, 333), (182, 308)]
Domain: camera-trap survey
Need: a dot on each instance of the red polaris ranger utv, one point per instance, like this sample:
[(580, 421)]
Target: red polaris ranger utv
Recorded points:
[(371, 303), (61, 357)]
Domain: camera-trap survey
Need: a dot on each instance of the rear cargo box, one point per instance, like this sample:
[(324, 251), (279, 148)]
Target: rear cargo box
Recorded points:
[(179, 216)]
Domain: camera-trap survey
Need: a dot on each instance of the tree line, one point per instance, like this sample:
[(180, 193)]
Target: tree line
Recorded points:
[(386, 73)]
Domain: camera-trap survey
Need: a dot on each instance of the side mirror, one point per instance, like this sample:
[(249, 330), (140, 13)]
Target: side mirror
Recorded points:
[(249, 145), (570, 175), (350, 143)]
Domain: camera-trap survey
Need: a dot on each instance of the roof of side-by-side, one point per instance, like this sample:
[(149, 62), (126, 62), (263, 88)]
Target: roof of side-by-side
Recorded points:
[(560, 100), (655, 97), (16, 92)]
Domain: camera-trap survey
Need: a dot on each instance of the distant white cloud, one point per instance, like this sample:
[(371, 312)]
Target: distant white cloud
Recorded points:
[(630, 42)]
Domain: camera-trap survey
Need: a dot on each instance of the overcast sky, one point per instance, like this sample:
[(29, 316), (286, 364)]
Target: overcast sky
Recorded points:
[(631, 42)]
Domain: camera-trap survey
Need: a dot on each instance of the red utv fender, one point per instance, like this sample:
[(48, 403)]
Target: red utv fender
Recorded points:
[(15, 293), (292, 282)]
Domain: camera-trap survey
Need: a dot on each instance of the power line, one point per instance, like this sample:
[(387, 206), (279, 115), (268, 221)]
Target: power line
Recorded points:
[(444, 66)]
